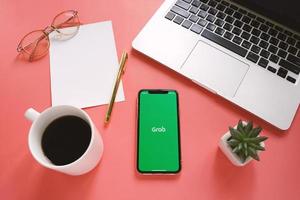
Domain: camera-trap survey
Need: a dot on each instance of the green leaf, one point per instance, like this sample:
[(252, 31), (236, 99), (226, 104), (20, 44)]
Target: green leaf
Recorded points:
[(256, 147), (245, 145), (257, 139), (240, 127), (242, 157), (253, 154), (235, 134), (235, 150), (240, 146), (248, 127), (233, 142), (255, 132)]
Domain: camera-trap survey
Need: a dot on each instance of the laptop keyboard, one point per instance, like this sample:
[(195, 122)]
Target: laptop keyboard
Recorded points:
[(260, 41)]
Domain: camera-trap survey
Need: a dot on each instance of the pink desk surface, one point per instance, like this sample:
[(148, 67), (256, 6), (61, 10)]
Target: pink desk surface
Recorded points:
[(206, 172)]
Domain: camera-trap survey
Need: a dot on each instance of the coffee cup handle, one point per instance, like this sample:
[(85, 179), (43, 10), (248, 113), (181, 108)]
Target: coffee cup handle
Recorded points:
[(31, 114)]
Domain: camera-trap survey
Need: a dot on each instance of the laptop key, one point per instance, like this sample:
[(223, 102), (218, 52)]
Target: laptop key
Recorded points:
[(188, 1), (237, 15), (247, 28), (281, 53), (236, 31), (294, 60), (233, 7), (242, 11), (229, 11), (255, 23), (212, 3), (193, 18), (265, 54), (273, 32), (182, 4), (281, 36), (220, 7), (263, 62), (255, 49), (282, 72), (278, 28), (228, 27), (202, 22), (269, 23), (225, 3), (219, 22), (256, 32), (224, 43), (291, 41), (246, 19), (196, 28), (261, 20), (228, 35), (291, 79), (210, 18), (289, 33), (229, 19), (202, 14), (274, 58), (254, 40), (271, 69), (252, 57), (245, 35), (180, 11), (246, 44), (194, 10), (289, 66), (292, 50), (170, 16), (264, 36), (298, 45), (196, 3), (204, 1), (238, 23), (251, 15), (274, 41), (237, 40), (211, 26), (263, 44), (273, 49), (178, 20), (212, 11), (283, 45), (221, 15), (187, 24), (204, 7), (263, 27)]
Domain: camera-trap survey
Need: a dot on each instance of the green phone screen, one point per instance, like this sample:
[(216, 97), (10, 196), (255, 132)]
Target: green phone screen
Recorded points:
[(158, 132)]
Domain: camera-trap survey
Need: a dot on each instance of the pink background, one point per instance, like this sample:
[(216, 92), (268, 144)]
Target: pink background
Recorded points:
[(206, 172)]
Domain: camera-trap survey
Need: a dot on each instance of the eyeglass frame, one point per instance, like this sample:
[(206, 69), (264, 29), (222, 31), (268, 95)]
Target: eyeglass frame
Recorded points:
[(47, 30)]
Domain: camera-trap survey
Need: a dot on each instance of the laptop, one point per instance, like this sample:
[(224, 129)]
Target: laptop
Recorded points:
[(246, 51)]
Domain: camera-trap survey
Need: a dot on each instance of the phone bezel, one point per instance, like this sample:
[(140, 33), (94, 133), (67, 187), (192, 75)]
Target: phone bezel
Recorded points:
[(158, 91)]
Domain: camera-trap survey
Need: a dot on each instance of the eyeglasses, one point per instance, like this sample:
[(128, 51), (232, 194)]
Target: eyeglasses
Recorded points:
[(35, 44)]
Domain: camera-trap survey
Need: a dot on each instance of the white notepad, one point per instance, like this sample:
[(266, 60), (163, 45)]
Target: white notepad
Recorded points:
[(84, 68)]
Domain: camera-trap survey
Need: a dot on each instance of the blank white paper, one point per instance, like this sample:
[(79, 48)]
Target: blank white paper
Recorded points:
[(84, 68)]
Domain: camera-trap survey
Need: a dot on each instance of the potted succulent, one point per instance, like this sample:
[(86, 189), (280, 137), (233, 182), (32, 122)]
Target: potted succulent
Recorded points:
[(242, 143)]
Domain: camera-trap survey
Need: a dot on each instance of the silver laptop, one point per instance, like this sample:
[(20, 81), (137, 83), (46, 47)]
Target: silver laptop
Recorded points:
[(247, 51)]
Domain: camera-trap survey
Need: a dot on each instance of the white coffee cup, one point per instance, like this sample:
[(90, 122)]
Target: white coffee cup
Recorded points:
[(82, 165)]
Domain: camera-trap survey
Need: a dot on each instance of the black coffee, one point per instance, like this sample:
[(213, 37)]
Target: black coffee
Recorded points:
[(66, 139)]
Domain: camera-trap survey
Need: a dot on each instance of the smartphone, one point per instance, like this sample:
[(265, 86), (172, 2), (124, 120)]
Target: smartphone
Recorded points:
[(158, 135)]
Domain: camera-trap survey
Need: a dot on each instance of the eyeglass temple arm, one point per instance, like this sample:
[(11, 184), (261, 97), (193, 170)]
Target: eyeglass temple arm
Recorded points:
[(36, 44)]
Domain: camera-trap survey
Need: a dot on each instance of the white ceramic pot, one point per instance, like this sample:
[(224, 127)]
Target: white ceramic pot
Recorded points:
[(233, 157)]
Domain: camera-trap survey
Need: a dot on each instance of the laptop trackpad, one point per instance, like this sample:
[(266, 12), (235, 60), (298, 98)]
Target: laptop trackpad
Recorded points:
[(214, 69)]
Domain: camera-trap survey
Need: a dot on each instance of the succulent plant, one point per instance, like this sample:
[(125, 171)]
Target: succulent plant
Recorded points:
[(245, 140)]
